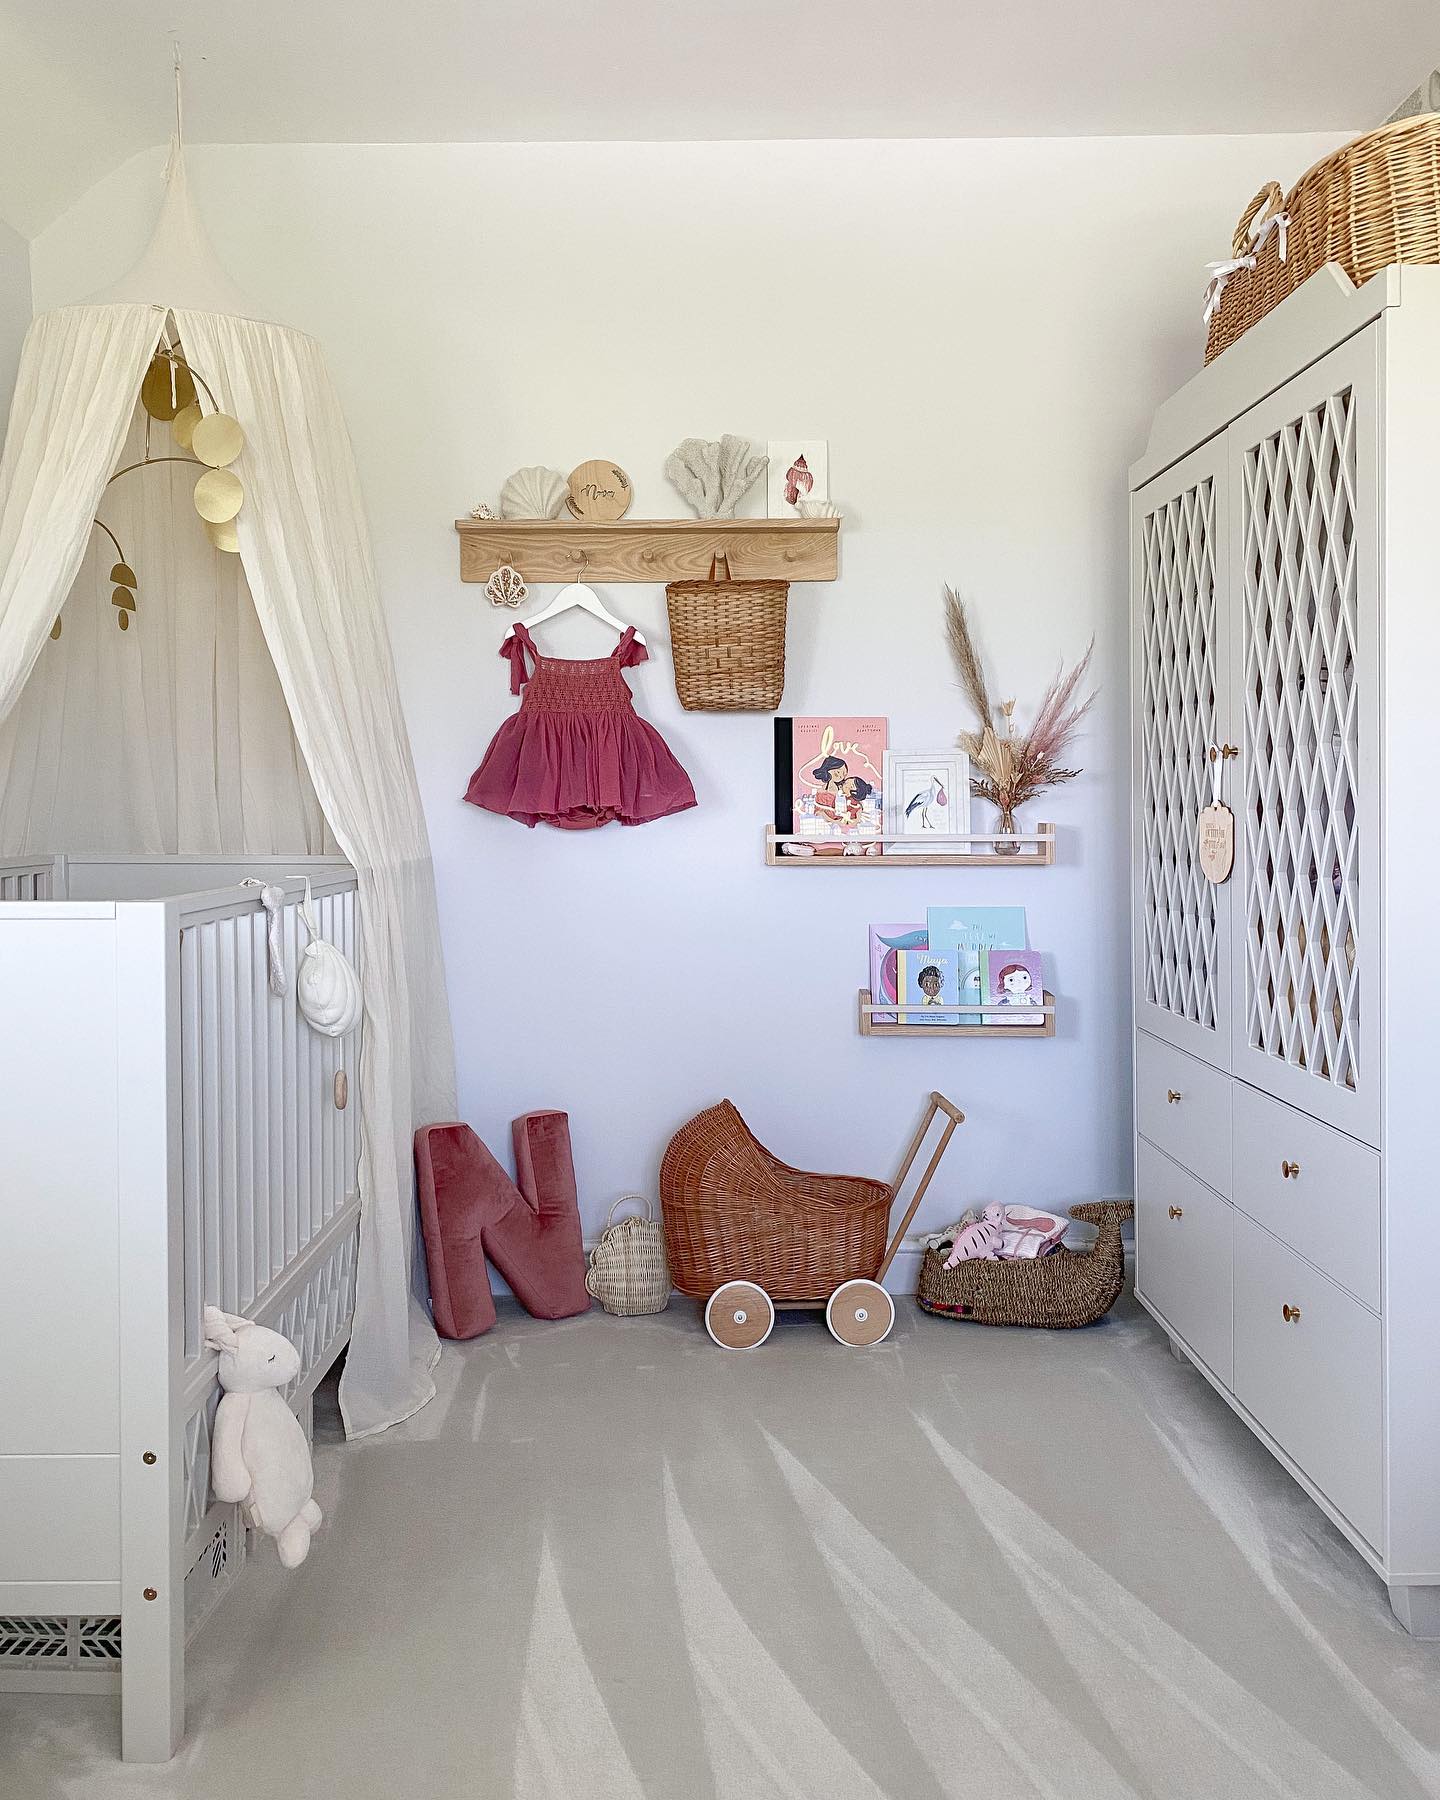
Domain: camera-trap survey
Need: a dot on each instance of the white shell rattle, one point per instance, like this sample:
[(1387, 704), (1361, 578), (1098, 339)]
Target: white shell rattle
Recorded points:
[(506, 587)]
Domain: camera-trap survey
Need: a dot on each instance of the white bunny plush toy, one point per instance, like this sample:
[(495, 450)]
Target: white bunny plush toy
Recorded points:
[(258, 1450)]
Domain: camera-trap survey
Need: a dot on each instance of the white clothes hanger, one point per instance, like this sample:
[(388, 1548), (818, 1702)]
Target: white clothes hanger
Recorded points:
[(573, 595)]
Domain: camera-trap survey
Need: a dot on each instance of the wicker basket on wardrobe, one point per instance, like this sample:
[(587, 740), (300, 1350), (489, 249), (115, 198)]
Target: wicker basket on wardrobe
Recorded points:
[(1371, 203), (1064, 1289)]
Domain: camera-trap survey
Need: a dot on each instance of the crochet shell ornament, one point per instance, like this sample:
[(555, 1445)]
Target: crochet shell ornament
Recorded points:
[(326, 986)]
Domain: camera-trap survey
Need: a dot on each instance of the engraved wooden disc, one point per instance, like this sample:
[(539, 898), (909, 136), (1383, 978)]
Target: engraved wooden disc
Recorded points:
[(600, 492), (1217, 842)]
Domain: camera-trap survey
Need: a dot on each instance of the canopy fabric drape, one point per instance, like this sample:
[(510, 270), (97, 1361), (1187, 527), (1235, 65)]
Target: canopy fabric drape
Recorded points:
[(171, 738), (306, 555), (306, 552)]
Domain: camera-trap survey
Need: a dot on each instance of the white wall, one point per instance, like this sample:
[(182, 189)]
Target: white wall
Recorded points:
[(14, 309), (981, 330)]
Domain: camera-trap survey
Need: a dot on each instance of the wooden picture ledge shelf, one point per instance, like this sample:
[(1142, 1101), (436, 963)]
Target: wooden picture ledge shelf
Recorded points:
[(1034, 849), (548, 550), (916, 1028)]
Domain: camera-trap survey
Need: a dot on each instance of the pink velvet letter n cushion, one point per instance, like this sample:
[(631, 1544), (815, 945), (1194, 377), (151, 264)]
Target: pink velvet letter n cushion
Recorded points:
[(470, 1208)]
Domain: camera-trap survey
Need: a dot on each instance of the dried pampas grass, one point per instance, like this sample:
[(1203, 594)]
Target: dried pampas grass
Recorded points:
[(1015, 769)]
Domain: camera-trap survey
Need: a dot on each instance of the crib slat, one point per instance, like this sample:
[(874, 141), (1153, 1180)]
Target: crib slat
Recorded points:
[(244, 1114), (290, 1074), (192, 1139), (260, 1103), (207, 1055), (229, 1117)]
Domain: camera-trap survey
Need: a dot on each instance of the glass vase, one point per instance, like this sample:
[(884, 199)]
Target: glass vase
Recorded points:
[(1004, 845)]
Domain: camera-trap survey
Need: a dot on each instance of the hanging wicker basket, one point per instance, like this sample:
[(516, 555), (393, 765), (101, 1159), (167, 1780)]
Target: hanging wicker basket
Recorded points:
[(627, 1274), (1371, 203), (727, 638)]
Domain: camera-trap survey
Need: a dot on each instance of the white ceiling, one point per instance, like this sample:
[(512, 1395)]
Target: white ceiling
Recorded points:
[(85, 83)]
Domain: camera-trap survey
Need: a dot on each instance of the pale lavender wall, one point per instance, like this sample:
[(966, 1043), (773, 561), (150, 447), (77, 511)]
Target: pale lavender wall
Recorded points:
[(981, 330)]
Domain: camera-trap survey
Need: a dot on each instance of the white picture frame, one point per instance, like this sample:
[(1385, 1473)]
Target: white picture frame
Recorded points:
[(927, 796), (784, 453)]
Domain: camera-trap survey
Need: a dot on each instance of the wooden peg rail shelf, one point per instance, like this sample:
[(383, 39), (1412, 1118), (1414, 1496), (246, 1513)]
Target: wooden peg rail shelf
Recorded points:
[(969, 850), (868, 1027), (549, 550)]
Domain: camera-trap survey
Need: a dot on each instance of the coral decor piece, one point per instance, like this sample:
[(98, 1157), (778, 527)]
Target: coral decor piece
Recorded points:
[(714, 477), (1015, 769), (482, 511)]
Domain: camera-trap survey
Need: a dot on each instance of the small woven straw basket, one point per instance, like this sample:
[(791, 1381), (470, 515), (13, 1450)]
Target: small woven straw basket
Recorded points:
[(627, 1267), (1373, 202), (727, 639)]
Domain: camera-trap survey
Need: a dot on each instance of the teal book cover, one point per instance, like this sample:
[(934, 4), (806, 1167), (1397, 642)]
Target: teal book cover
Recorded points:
[(972, 931)]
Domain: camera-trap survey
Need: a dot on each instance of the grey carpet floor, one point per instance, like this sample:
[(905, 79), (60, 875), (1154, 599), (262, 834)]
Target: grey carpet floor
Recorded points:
[(611, 1561)]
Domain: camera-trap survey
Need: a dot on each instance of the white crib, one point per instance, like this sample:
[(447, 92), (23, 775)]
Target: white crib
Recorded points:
[(172, 1134)]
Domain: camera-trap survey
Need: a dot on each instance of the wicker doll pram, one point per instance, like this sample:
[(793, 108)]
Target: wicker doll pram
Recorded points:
[(745, 1233)]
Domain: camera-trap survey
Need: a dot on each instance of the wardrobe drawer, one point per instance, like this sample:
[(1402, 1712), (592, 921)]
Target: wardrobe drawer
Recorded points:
[(1183, 1105), (1182, 1255), (1311, 1186), (1307, 1365)]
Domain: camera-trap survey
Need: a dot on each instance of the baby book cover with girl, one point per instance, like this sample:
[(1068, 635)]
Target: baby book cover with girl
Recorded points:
[(1014, 983), (829, 776)]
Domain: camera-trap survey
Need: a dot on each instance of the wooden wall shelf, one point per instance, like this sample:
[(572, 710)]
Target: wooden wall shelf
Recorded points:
[(650, 549), (1023, 1032), (974, 850)]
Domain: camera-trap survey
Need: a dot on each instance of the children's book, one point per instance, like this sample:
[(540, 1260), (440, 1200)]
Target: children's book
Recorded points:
[(1015, 980), (970, 931), (928, 980), (829, 777), (886, 943)]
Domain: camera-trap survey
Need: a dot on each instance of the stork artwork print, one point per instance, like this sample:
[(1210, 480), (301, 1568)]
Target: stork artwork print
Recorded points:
[(927, 800)]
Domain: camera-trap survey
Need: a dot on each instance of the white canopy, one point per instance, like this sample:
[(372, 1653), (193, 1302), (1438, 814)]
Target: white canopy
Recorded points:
[(306, 556)]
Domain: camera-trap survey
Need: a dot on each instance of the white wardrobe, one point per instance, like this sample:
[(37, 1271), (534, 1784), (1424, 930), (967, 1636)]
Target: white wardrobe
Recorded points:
[(1285, 524)]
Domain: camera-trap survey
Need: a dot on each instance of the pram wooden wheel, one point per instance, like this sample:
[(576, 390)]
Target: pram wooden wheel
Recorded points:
[(860, 1313), (739, 1315)]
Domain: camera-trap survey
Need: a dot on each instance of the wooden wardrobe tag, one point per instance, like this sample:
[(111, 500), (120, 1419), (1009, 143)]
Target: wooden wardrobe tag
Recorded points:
[(1217, 828)]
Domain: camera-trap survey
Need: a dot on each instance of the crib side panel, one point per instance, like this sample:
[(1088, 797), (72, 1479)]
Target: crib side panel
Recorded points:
[(59, 1240)]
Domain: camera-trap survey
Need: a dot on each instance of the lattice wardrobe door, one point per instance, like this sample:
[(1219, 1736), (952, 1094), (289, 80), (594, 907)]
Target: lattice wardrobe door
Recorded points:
[(1180, 564), (1305, 586)]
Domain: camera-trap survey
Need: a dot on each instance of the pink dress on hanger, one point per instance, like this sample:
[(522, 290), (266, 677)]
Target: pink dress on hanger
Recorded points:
[(576, 754)]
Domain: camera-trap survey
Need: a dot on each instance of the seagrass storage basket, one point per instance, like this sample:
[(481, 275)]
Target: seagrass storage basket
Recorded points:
[(727, 639), (733, 1211), (1371, 203), (1067, 1288), (627, 1272)]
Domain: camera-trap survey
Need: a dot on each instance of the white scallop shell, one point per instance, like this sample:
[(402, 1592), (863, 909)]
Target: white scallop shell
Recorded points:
[(328, 989), (817, 509), (533, 493)]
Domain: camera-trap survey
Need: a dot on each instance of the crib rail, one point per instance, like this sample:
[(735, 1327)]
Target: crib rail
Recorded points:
[(29, 878), (269, 1129)]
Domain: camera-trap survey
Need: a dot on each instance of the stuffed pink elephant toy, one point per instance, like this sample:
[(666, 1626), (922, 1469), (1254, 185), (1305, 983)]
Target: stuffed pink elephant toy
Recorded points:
[(980, 1238)]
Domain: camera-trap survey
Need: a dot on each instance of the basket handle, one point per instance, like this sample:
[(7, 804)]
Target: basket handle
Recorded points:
[(643, 1200), (1269, 196), (721, 556)]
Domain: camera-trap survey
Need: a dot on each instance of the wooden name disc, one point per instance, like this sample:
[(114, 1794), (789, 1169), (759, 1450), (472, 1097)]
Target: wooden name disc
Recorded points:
[(599, 492), (1217, 842)]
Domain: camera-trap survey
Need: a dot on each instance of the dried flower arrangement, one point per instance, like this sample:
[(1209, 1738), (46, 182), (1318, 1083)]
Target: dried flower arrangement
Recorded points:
[(1014, 770)]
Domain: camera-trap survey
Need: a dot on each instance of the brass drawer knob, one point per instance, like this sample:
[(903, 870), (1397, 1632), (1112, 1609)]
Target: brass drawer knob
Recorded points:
[(1290, 1314), (1173, 1096), (1177, 1212), (1289, 1171)]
